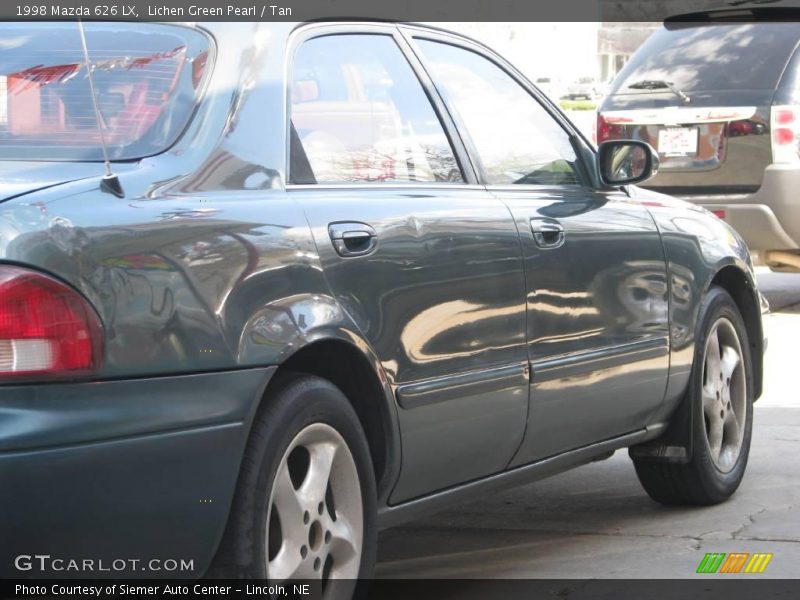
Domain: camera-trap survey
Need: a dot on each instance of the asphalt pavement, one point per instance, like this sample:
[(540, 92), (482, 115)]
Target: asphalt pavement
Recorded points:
[(597, 522)]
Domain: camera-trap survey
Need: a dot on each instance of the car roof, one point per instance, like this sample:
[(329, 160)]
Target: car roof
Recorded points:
[(293, 26)]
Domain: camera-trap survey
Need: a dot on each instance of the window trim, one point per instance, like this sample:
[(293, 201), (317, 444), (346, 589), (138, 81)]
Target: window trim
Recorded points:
[(316, 30), (413, 33)]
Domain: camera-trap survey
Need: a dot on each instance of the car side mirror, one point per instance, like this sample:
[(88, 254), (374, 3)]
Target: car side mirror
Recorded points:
[(625, 162)]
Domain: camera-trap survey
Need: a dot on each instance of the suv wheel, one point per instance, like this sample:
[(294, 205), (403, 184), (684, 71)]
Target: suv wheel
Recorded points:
[(721, 398), (305, 503)]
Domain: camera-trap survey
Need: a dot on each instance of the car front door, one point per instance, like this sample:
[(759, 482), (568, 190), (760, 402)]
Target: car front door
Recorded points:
[(425, 261), (595, 272)]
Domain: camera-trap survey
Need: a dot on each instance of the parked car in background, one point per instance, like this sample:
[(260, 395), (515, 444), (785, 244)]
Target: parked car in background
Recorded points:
[(552, 87), (586, 88), (340, 274), (720, 101)]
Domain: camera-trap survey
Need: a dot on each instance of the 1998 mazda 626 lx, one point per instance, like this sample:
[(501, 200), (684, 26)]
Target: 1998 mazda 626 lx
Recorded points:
[(339, 273)]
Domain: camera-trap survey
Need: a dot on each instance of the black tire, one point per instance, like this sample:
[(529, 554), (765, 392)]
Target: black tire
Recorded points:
[(294, 402), (700, 481)]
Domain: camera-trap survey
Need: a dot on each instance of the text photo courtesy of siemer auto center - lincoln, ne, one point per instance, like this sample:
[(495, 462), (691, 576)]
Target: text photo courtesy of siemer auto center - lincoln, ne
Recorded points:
[(427, 300)]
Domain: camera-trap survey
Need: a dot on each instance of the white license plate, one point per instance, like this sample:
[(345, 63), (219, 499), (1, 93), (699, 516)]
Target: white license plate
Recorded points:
[(677, 141)]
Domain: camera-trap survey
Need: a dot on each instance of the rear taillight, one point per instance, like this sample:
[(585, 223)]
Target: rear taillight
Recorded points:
[(46, 327), (608, 130), (785, 127)]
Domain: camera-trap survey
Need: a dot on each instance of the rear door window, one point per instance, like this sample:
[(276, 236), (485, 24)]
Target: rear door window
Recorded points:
[(747, 56), (359, 114), (148, 78)]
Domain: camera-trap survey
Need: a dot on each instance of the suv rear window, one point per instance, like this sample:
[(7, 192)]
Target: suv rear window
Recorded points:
[(712, 57), (147, 76)]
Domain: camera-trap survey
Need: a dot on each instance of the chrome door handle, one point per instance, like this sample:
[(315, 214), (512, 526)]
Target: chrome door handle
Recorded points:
[(353, 238), (548, 233)]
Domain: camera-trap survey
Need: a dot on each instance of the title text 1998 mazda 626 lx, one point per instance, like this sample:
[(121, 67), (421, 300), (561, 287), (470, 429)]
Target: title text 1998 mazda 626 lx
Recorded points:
[(341, 273)]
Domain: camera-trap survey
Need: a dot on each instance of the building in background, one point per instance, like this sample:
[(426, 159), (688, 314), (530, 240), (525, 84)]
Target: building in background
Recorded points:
[(616, 42)]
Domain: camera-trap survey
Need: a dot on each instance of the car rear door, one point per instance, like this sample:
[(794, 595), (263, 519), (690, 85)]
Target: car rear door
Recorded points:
[(597, 324), (425, 261)]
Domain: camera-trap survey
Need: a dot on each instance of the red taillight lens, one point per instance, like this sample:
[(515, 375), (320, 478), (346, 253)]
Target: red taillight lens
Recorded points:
[(608, 131), (46, 327), (783, 136), (785, 126), (784, 116)]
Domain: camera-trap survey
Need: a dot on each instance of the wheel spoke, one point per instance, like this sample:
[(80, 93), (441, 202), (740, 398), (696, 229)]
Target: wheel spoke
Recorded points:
[(319, 470), (342, 545), (729, 361), (715, 431), (712, 363), (709, 398), (287, 565), (288, 505), (732, 428)]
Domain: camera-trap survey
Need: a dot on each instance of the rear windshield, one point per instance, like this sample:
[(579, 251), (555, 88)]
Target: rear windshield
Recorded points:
[(712, 57), (147, 77)]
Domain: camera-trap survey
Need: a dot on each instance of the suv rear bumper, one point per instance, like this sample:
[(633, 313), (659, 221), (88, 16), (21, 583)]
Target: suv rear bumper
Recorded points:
[(126, 474), (768, 219)]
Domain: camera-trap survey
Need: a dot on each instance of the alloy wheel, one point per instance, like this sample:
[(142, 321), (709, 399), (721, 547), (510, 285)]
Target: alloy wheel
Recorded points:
[(315, 516), (724, 395)]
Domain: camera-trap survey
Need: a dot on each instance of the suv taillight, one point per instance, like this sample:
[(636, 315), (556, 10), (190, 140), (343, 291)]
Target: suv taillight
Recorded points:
[(46, 328), (607, 130), (785, 128)]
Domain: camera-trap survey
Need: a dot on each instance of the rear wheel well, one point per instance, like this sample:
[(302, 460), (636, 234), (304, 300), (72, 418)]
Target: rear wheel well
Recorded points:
[(348, 369), (735, 282)]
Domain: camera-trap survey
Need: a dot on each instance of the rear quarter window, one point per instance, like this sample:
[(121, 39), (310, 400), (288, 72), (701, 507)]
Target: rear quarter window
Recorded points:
[(148, 79), (712, 57)]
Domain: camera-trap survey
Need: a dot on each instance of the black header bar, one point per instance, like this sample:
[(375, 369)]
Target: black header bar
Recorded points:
[(391, 10)]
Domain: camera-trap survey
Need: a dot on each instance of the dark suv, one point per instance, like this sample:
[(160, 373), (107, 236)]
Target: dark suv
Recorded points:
[(338, 274), (720, 101)]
